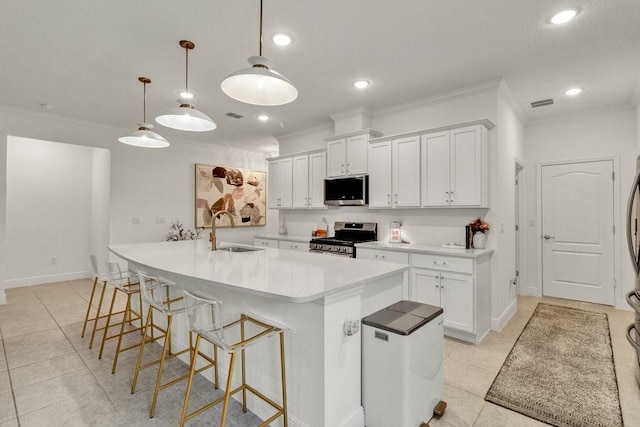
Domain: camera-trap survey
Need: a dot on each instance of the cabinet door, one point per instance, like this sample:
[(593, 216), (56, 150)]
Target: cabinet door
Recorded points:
[(380, 175), (317, 174), (466, 166), (295, 246), (425, 286), (356, 155), (273, 197), (300, 197), (435, 169), (280, 183), (335, 158), (265, 243), (457, 300), (406, 172)]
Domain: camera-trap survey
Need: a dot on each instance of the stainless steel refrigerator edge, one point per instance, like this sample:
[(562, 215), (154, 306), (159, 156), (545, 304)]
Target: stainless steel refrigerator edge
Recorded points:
[(633, 297)]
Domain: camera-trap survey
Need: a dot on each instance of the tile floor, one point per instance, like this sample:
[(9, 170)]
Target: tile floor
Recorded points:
[(49, 377)]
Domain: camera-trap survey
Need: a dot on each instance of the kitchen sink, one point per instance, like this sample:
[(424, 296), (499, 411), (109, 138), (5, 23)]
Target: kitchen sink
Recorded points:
[(239, 249)]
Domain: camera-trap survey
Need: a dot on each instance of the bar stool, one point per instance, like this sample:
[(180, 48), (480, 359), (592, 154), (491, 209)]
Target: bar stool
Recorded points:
[(128, 286), (157, 294), (104, 279), (101, 278), (204, 318)]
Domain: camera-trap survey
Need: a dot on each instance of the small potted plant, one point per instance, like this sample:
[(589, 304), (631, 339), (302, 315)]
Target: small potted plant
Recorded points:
[(479, 229)]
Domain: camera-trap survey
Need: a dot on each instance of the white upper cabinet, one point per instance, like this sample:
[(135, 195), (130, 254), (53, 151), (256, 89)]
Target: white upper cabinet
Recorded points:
[(454, 168), (347, 154), (308, 180), (394, 173), (280, 183), (297, 181)]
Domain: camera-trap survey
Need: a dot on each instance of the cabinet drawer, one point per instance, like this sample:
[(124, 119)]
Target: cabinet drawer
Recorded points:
[(265, 243), (444, 263), (389, 256), (296, 246)]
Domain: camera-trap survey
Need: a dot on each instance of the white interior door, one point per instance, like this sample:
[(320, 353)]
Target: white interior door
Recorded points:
[(577, 230)]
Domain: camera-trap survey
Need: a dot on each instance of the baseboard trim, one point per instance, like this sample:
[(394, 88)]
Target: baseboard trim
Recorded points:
[(532, 291), (354, 420), (3, 297), (507, 314), (39, 280)]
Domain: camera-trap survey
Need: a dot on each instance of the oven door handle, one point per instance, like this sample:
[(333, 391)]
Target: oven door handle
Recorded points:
[(635, 257), (633, 342)]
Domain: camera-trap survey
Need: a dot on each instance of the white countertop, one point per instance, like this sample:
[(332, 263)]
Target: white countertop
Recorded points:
[(426, 249), (286, 237), (286, 275)]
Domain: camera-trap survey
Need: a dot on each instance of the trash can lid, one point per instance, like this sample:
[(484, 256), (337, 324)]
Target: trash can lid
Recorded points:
[(403, 318), (427, 311)]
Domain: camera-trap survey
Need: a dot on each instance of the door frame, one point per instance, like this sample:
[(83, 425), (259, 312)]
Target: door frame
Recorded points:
[(617, 222), (520, 236)]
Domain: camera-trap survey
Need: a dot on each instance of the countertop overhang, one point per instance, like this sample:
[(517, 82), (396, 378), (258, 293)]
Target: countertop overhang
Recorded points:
[(286, 275)]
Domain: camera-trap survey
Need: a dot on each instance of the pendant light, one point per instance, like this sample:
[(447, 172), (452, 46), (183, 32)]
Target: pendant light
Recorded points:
[(144, 137), (259, 84), (186, 117)]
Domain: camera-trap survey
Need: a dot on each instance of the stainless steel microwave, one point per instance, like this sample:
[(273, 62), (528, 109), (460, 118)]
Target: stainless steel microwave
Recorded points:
[(352, 191)]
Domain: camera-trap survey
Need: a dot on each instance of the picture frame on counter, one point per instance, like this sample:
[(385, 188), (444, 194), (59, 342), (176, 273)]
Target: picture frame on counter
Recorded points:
[(241, 192)]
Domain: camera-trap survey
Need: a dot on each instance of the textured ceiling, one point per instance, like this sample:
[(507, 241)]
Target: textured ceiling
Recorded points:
[(84, 56)]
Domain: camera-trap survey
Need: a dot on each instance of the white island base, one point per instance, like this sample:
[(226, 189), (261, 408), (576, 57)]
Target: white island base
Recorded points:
[(312, 294)]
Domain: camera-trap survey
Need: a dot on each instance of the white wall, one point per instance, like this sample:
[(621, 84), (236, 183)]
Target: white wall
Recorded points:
[(148, 184), (593, 134), (49, 210)]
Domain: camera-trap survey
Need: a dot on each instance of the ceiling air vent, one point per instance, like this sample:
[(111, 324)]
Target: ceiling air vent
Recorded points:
[(542, 103), (234, 115)]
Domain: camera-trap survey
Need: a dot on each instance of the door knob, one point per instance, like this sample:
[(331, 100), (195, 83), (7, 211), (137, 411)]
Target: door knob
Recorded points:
[(547, 237)]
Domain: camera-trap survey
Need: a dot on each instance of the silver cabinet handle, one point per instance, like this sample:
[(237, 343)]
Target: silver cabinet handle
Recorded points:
[(348, 164), (389, 199), (547, 237)]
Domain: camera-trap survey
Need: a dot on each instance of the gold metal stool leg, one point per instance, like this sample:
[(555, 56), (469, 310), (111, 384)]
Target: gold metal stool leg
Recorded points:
[(192, 371), (98, 314), (227, 393), (86, 316), (122, 326), (106, 327), (284, 381), (165, 347), (141, 351)]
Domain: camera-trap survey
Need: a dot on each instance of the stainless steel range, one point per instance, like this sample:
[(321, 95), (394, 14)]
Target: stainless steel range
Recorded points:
[(347, 234)]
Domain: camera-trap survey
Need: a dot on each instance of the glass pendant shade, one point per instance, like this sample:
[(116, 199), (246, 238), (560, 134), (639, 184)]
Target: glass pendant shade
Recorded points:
[(259, 85), (185, 117), (144, 137)]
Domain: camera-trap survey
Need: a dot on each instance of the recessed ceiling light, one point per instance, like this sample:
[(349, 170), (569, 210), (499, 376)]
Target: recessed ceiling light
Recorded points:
[(573, 91), (361, 84), (281, 39), (263, 117), (564, 16)]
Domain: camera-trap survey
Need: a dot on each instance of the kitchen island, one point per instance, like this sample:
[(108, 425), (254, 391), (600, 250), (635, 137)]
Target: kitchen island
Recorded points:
[(314, 295)]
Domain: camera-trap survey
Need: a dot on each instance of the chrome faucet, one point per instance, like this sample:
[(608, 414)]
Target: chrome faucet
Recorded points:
[(212, 236)]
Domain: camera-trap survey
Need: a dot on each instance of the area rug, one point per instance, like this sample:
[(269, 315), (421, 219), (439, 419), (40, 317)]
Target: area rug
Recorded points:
[(560, 370)]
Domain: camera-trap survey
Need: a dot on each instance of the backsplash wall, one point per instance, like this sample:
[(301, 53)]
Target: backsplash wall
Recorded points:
[(427, 226)]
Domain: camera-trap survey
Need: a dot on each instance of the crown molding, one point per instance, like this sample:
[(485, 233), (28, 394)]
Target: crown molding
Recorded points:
[(317, 128), (491, 85), (352, 112)]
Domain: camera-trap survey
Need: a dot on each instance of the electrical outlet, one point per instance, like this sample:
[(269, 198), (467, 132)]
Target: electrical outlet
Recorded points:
[(532, 223), (161, 220), (135, 220), (54, 260)]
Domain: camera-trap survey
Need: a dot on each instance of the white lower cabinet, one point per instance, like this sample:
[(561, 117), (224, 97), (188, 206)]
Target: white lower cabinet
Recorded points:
[(295, 246), (451, 291), (265, 243), (460, 285)]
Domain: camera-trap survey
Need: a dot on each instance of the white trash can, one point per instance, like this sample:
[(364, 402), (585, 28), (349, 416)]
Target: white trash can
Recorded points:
[(402, 379)]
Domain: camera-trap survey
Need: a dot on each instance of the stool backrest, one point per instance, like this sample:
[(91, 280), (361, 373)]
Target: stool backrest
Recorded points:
[(204, 317), (156, 292), (116, 278)]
